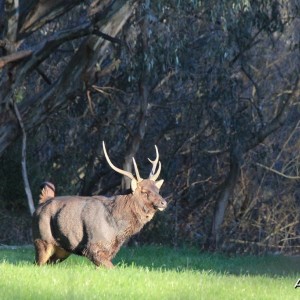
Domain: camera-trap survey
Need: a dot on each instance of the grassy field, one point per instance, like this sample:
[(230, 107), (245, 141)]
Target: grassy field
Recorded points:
[(150, 273)]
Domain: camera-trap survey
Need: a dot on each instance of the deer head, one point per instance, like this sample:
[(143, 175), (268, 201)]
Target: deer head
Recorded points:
[(146, 189)]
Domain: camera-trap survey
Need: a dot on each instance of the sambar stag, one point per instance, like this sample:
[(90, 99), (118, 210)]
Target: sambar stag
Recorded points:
[(97, 226)]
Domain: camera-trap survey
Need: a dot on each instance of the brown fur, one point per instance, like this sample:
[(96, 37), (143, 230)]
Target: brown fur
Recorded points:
[(95, 227)]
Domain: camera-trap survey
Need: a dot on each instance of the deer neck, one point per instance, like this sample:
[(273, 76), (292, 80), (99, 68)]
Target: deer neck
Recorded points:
[(129, 214)]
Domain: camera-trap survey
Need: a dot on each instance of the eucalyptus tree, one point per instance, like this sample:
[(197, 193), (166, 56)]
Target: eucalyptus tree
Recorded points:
[(56, 44), (48, 51)]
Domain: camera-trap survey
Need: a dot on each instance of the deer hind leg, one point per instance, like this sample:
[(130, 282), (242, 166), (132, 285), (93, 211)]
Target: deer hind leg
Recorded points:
[(59, 255), (43, 251), (98, 256)]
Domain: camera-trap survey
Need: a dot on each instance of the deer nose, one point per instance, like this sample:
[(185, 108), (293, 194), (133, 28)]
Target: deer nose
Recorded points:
[(163, 203)]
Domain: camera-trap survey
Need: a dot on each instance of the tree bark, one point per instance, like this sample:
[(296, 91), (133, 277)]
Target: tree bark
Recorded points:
[(144, 88), (23, 162), (223, 198)]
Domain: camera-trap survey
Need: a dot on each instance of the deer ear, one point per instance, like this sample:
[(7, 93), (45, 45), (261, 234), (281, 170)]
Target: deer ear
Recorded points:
[(133, 184), (159, 183)]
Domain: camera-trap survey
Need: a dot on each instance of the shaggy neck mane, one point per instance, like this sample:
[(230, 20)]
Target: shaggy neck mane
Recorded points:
[(127, 209)]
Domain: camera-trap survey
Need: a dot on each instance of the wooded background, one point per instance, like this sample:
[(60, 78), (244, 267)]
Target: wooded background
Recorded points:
[(213, 83)]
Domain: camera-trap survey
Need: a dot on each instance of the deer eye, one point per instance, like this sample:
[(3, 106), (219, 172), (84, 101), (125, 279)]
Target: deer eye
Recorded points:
[(145, 193)]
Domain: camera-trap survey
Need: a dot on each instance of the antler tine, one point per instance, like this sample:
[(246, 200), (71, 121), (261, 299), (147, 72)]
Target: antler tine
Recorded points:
[(123, 172), (156, 175), (137, 174), (154, 162)]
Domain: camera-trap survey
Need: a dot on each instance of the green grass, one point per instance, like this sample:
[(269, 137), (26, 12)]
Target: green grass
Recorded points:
[(150, 273)]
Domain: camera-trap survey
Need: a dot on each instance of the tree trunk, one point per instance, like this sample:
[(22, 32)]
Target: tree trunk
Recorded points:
[(222, 200), (24, 167), (144, 87)]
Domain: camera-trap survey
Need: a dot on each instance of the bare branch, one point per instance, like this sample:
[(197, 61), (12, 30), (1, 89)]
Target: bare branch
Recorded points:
[(277, 172), (13, 20), (42, 12), (43, 75), (277, 122), (105, 36), (90, 102), (14, 57)]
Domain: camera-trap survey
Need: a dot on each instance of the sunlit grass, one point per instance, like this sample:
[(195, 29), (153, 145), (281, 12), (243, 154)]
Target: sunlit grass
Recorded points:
[(150, 273)]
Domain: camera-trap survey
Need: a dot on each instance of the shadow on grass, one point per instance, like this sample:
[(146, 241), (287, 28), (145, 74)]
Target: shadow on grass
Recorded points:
[(165, 258), (170, 259), (17, 254)]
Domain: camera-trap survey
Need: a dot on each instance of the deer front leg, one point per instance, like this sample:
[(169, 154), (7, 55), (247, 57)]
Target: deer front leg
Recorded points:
[(99, 256)]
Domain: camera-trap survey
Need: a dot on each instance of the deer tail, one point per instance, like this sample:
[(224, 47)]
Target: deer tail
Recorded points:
[(47, 191)]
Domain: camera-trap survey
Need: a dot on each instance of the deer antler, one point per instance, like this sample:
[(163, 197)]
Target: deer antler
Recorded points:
[(123, 172), (153, 176), (138, 177)]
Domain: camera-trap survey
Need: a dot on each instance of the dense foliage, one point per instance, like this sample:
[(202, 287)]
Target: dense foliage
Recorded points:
[(213, 83)]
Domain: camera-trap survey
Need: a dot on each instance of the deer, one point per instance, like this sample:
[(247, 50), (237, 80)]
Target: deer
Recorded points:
[(47, 191), (95, 226)]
